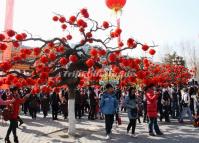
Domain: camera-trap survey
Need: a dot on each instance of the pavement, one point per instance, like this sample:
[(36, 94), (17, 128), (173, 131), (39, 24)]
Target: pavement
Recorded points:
[(48, 131)]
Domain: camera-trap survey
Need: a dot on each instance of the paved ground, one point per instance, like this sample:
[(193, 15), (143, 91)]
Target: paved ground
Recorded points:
[(48, 131)]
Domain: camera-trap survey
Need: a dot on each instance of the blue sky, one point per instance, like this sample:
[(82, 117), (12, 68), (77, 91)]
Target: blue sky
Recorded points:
[(162, 21)]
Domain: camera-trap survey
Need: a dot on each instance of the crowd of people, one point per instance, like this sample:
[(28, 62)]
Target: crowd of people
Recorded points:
[(106, 103)]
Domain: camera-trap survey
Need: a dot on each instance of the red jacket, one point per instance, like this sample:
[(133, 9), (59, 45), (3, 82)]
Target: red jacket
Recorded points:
[(152, 99), (16, 106)]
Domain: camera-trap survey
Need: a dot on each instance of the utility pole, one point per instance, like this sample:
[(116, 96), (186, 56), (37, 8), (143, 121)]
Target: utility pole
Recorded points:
[(8, 25)]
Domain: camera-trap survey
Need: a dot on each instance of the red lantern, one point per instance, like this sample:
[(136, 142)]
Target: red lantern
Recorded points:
[(115, 5), (152, 52)]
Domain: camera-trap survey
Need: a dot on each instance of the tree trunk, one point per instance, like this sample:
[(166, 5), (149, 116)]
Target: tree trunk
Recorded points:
[(71, 112)]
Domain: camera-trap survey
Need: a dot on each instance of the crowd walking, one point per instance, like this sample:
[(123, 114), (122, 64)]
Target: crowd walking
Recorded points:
[(152, 103)]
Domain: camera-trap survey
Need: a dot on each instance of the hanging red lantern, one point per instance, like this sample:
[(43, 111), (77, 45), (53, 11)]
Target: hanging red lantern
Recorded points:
[(115, 5)]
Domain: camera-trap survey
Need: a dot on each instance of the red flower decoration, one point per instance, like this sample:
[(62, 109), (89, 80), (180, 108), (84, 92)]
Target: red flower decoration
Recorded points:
[(11, 33), (105, 24), (69, 37), (102, 52), (73, 58), (90, 62), (52, 56), (63, 61), (84, 12), (46, 51), (24, 35), (118, 32), (63, 26), (81, 23), (36, 51), (2, 37), (72, 19), (62, 19), (93, 52), (89, 34), (130, 42), (15, 44), (152, 52), (112, 57), (55, 18), (44, 59), (145, 47), (3, 46)]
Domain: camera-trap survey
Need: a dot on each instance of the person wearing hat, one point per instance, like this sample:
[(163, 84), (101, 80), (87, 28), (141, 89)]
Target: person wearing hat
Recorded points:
[(14, 116), (108, 106)]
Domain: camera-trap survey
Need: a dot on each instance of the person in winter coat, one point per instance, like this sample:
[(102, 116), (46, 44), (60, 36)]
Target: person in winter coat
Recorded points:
[(55, 102), (165, 101), (152, 98), (33, 105), (108, 106), (93, 104), (132, 106), (185, 101), (45, 104), (14, 116)]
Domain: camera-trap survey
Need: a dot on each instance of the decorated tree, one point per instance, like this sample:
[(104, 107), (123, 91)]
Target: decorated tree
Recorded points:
[(58, 62)]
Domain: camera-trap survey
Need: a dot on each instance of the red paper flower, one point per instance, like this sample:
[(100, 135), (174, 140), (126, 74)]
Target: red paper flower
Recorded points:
[(24, 35), (55, 18), (3, 46), (46, 50), (63, 26), (36, 51), (93, 52), (89, 34), (19, 37), (15, 44), (130, 42), (102, 52), (51, 44), (52, 56), (44, 59), (69, 37), (118, 32), (11, 33), (73, 58), (2, 37), (62, 19), (145, 47), (84, 12), (105, 24), (152, 52), (90, 62), (72, 19), (63, 61), (112, 57)]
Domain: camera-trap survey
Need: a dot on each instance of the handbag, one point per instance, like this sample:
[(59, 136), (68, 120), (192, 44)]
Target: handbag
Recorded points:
[(7, 112)]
